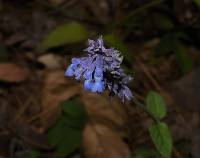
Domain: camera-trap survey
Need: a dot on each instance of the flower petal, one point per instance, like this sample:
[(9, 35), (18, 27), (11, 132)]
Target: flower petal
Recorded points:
[(98, 87), (88, 84), (70, 71)]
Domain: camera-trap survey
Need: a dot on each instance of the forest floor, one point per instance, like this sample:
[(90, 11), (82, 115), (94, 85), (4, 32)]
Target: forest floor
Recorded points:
[(33, 86)]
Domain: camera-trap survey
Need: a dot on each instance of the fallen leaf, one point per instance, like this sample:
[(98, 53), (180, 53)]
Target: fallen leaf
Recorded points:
[(102, 135), (12, 73), (101, 142), (14, 39), (57, 88), (32, 137), (102, 109), (51, 61)]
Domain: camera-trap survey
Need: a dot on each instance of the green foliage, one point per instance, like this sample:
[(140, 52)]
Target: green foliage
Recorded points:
[(170, 43), (31, 154), (66, 135), (184, 61), (68, 33), (159, 131), (156, 105), (144, 152), (162, 139), (75, 112), (197, 2)]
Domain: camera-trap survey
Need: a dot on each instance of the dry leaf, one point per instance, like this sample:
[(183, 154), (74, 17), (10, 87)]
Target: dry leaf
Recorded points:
[(12, 73), (51, 61), (57, 88), (106, 125), (102, 109), (102, 142)]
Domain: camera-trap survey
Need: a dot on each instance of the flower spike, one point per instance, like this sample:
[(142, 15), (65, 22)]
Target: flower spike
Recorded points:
[(101, 69)]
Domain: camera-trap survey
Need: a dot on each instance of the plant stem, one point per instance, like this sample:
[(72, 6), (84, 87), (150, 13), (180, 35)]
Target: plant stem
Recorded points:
[(142, 106)]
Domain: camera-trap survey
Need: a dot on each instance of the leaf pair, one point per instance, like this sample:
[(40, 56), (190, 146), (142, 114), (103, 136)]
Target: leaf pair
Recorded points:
[(159, 131)]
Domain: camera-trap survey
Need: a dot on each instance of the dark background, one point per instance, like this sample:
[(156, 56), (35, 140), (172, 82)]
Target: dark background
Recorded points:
[(159, 40)]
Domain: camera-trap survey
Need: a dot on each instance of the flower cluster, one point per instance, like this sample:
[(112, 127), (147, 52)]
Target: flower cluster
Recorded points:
[(100, 70)]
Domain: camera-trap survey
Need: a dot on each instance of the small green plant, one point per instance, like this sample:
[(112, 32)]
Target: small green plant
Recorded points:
[(159, 131), (101, 70), (66, 135)]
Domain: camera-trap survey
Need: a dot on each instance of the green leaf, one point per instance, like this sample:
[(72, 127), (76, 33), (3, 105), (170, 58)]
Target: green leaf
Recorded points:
[(65, 139), (71, 141), (75, 112), (31, 154), (65, 34), (156, 105), (171, 43), (162, 139), (56, 133), (197, 2), (184, 61), (66, 135), (114, 41)]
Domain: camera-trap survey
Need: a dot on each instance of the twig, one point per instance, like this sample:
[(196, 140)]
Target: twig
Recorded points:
[(40, 115), (24, 108), (176, 153), (156, 85)]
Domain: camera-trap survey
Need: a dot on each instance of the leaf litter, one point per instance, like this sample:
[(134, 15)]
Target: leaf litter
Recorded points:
[(32, 106)]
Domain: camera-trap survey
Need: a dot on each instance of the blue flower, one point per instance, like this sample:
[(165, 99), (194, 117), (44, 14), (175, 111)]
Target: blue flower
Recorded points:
[(70, 71), (88, 84), (101, 69), (98, 86), (88, 75)]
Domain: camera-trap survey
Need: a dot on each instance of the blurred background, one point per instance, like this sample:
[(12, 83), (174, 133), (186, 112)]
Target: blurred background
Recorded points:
[(44, 114)]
